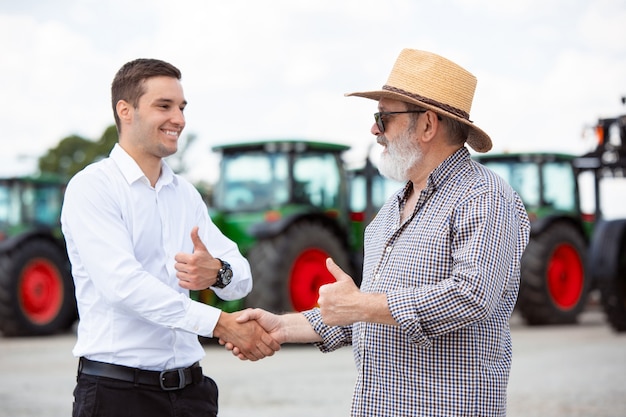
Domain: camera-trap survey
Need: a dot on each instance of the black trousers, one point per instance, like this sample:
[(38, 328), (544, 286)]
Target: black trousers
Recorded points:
[(104, 397)]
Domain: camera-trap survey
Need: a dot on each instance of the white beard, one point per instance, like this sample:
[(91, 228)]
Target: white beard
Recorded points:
[(401, 156)]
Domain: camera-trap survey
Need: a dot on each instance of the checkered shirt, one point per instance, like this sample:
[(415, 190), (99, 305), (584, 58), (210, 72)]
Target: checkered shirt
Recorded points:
[(451, 274)]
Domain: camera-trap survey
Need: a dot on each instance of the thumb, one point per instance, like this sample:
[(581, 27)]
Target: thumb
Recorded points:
[(198, 246), (247, 315), (336, 271)]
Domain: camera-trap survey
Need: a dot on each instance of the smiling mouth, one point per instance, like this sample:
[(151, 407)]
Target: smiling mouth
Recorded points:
[(171, 132)]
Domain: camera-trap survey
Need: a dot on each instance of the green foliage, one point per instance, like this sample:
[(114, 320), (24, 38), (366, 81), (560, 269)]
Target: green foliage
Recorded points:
[(74, 152)]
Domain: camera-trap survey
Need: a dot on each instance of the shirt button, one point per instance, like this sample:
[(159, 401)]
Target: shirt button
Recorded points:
[(388, 249), (376, 277)]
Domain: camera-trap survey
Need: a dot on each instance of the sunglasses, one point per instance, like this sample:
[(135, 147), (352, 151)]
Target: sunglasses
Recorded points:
[(379, 117)]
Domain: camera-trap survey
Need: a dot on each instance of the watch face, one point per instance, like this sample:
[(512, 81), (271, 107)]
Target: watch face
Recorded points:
[(224, 276), (227, 276)]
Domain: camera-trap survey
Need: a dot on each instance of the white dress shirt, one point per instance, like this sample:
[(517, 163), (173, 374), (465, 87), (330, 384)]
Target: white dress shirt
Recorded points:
[(122, 235)]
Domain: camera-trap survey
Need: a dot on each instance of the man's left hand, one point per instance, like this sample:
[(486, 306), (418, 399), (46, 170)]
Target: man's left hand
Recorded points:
[(339, 301), (197, 270)]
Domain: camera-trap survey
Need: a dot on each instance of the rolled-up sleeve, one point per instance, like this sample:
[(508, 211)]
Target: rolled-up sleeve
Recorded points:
[(333, 337)]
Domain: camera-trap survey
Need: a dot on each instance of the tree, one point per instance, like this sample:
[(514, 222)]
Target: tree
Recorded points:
[(74, 152)]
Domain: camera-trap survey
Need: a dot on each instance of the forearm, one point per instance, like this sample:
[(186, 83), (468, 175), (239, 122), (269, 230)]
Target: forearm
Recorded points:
[(297, 329), (374, 308), (357, 307)]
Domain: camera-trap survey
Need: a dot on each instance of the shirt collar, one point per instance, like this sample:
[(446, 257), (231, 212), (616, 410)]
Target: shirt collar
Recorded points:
[(447, 168), (131, 171), (440, 175)]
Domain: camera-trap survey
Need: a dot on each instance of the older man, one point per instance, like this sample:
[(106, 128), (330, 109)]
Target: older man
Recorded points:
[(430, 324)]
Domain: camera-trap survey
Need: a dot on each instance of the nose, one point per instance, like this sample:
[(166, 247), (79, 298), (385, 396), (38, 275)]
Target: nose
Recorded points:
[(375, 130), (178, 118)]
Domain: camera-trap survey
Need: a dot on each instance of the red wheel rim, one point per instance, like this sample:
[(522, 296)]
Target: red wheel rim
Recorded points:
[(41, 291), (308, 274), (565, 277)]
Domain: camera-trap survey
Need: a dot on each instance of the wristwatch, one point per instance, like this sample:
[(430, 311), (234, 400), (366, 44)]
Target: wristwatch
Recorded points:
[(224, 275)]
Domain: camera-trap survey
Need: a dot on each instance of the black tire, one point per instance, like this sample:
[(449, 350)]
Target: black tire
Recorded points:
[(275, 262), (554, 283), (608, 266), (36, 290)]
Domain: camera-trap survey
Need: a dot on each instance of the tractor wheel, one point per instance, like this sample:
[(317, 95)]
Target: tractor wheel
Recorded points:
[(36, 290), (608, 263), (289, 269), (554, 285)]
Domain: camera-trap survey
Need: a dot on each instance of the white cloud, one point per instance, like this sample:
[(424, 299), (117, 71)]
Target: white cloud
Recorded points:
[(46, 82), (280, 68), (603, 27)]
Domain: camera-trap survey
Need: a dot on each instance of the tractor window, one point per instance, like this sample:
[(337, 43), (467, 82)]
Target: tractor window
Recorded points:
[(252, 181), (382, 189), (24, 203), (4, 204), (10, 207), (316, 180), (28, 200), (559, 186), (46, 203), (522, 176)]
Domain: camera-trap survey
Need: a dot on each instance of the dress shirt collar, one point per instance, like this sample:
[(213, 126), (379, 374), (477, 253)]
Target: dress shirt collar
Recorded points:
[(439, 175), (131, 171), (447, 168)]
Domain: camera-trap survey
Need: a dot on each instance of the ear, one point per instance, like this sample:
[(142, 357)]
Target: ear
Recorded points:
[(431, 126), (124, 110)]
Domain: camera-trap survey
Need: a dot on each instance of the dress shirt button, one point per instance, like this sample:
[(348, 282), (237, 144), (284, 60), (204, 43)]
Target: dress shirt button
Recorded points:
[(388, 248), (376, 277)]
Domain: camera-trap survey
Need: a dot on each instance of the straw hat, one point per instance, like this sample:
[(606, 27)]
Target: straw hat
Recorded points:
[(437, 84)]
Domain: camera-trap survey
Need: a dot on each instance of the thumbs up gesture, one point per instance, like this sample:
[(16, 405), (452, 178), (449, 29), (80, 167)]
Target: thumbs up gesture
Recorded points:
[(197, 270), (339, 301)]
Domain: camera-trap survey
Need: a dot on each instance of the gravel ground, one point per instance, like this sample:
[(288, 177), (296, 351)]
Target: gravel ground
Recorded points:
[(563, 371)]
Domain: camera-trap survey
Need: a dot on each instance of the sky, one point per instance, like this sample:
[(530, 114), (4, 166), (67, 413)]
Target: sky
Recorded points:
[(260, 69)]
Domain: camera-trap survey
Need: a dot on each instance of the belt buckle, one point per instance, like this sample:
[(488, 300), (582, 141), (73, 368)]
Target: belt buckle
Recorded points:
[(181, 379)]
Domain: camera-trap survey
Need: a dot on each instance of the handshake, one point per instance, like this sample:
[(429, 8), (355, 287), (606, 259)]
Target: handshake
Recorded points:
[(253, 334)]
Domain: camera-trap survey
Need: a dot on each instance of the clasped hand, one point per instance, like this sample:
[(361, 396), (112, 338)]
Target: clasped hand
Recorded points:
[(253, 341), (338, 304)]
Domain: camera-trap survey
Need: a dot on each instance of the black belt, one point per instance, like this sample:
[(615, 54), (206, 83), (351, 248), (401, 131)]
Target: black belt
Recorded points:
[(168, 380)]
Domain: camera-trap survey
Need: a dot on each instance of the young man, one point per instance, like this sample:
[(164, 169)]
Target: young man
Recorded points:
[(139, 238), (430, 324)]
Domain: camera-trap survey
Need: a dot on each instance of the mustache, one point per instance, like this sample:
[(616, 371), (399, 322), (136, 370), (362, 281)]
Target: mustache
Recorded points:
[(382, 140)]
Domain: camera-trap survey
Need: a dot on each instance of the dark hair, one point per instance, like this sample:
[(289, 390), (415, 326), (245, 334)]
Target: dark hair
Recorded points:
[(128, 82)]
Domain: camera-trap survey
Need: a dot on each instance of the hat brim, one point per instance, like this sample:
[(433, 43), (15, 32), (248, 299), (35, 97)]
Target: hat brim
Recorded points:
[(477, 138)]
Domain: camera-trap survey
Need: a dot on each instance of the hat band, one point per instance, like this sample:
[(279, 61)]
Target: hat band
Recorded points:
[(457, 112)]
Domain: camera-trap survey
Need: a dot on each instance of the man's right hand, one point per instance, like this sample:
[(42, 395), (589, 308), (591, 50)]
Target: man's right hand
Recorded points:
[(270, 322), (283, 328), (253, 342)]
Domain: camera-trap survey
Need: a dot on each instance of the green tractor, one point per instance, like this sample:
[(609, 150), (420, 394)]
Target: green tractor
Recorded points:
[(555, 283), (570, 252), (36, 287), (289, 205)]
